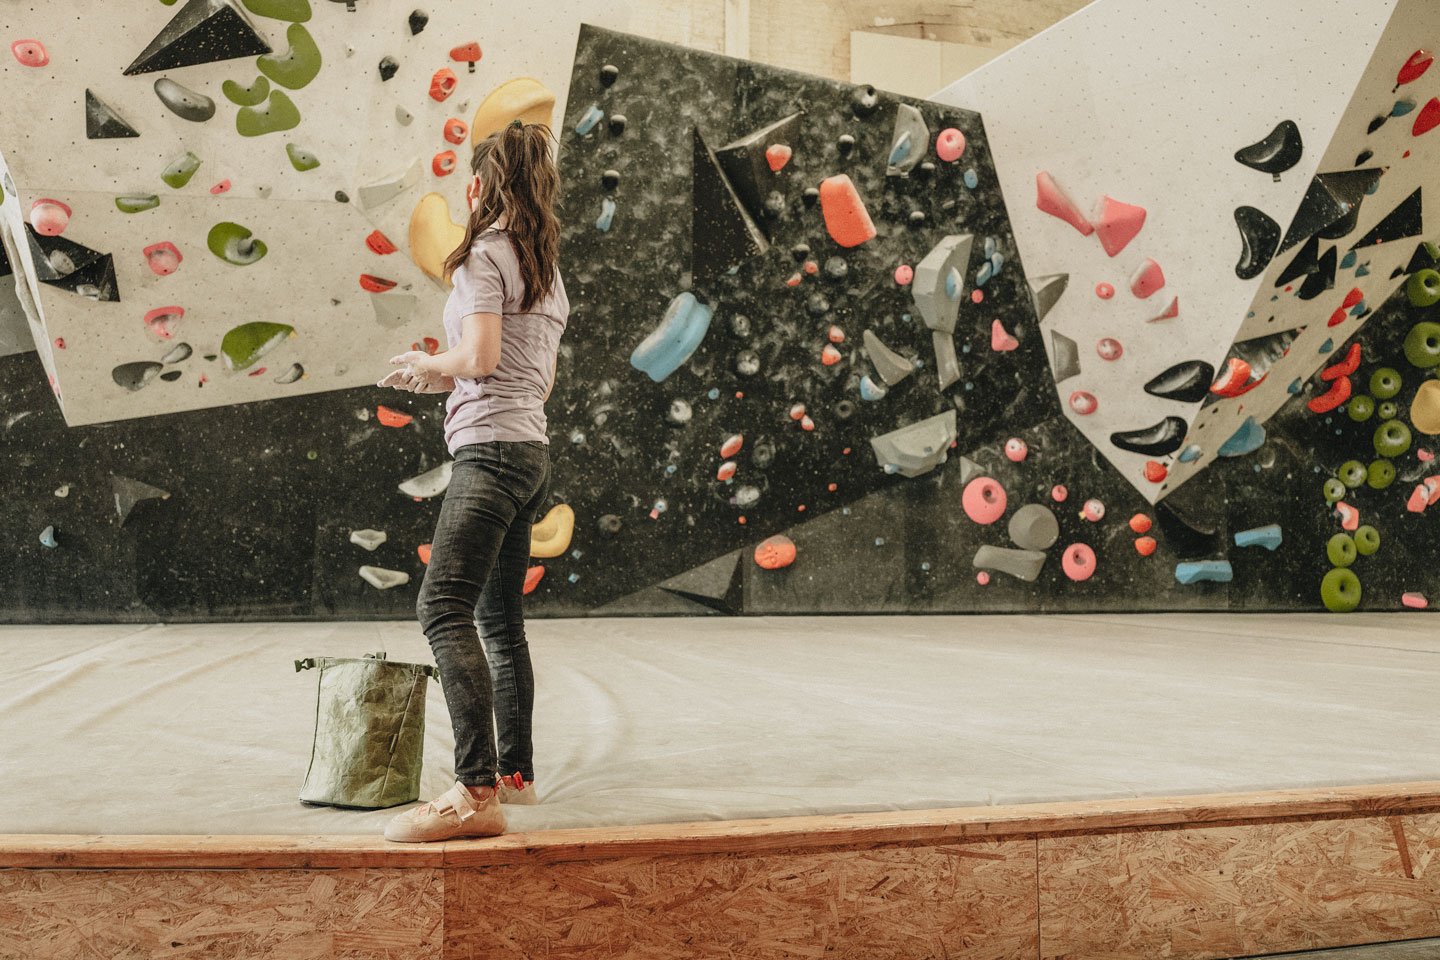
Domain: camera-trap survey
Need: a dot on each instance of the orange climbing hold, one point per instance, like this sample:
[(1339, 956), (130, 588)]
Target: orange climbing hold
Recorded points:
[(444, 163), (777, 155), (379, 243), (456, 130), (775, 553), (1140, 523), (1156, 471), (1345, 367), (846, 219), (1331, 399), (533, 577), (442, 84), (424, 551), (1145, 546), (468, 54), (392, 418), (829, 356), (375, 284)]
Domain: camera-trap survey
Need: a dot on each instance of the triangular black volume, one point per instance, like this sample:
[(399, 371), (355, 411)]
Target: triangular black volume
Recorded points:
[(748, 169), (718, 584), (1427, 257), (1404, 221), (1352, 187), (1323, 278), (1322, 206), (129, 493), (102, 122), (723, 235), (69, 266), (1306, 261), (204, 31)]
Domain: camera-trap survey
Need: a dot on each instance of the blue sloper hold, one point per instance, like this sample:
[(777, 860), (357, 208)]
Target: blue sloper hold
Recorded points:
[(588, 119), (607, 215), (870, 390), (1268, 537), (909, 143), (1194, 571), (684, 325), (1245, 440)]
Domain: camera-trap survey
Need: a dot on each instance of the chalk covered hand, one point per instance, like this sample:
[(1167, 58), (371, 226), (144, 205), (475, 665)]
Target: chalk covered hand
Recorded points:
[(415, 373)]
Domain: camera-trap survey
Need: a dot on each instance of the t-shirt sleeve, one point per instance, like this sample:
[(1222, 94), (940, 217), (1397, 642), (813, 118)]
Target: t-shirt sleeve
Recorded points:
[(480, 284)]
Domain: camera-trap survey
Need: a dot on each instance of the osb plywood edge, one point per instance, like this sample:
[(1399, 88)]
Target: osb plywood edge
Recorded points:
[(849, 830)]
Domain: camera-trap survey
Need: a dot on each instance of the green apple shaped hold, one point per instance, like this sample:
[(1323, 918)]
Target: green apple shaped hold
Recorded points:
[(301, 160), (234, 244), (251, 96), (137, 204), (296, 11), (179, 172), (295, 67), (247, 343), (279, 113)]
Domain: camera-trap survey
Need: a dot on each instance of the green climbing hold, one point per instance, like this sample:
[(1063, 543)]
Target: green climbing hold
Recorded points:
[(1360, 408), (180, 171), (1422, 345), (1423, 288), (234, 244), (1351, 473), (1380, 475), (1367, 540), (278, 113), (301, 160), (1385, 382), (1392, 438), (1334, 491), (296, 11), (136, 204), (251, 96), (1340, 550), (295, 67), (248, 342), (1340, 591), (1388, 410)]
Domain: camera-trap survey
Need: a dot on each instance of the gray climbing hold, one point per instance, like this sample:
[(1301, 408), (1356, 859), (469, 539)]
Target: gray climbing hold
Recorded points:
[(393, 310), (382, 579), (1022, 564), (939, 281), (1066, 362), (381, 192), (917, 448), (891, 366), (102, 122), (947, 365), (1034, 527), (429, 484), (969, 470), (47, 538), (184, 102), (1046, 292), (368, 539), (909, 143), (130, 492)]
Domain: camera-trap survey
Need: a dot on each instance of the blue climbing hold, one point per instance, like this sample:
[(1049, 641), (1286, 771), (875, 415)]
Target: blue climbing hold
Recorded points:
[(954, 283), (997, 260), (900, 152), (684, 325), (983, 275), (1402, 107), (1363, 270), (1349, 260), (1327, 346), (1295, 387), (1190, 454), (1245, 440), (1194, 571), (607, 215), (870, 390), (47, 538), (972, 179), (1268, 537), (588, 119)]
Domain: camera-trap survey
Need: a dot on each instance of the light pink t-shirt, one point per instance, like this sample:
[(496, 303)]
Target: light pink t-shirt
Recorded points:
[(509, 404)]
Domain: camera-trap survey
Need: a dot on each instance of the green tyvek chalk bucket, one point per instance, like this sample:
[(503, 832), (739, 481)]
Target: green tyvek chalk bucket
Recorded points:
[(369, 732)]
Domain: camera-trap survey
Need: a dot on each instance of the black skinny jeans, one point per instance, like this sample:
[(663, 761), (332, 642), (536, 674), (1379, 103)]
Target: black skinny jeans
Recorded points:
[(476, 575)]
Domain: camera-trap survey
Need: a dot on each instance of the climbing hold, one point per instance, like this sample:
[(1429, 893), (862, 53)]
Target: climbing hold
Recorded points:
[(432, 235), (1196, 571), (1058, 493), (1078, 562), (1331, 399), (1140, 523), (1108, 348), (1145, 546), (983, 500), (278, 114), (1000, 340), (251, 96), (679, 334), (775, 553), (184, 102), (864, 101), (1360, 408), (297, 66), (102, 122), (1279, 151), (203, 31), (1259, 238), (891, 366), (1083, 402), (1346, 366), (235, 244), (909, 142), (242, 346), (389, 66), (47, 538), (870, 390), (1104, 290), (1367, 541), (533, 576), (1148, 279), (1157, 440), (180, 170), (1186, 382), (30, 53), (1422, 345), (1021, 564), (49, 217), (589, 119), (382, 579), (456, 131), (379, 243), (158, 321), (938, 282), (1235, 381), (368, 539), (1050, 199), (846, 219), (1392, 438), (607, 215), (550, 536), (392, 418), (222, 187), (1340, 591), (1340, 550), (1425, 408), (522, 98), (1349, 516), (1246, 439), (177, 354), (1428, 118), (1033, 527), (128, 494), (950, 144), (1169, 313), (442, 84), (1093, 510), (417, 20), (1016, 449), (1415, 601), (163, 258), (904, 274), (726, 471), (1156, 472), (1046, 292), (429, 484), (468, 54), (916, 448), (1423, 288), (443, 163), (373, 284), (829, 356), (1117, 223), (777, 155), (137, 375)]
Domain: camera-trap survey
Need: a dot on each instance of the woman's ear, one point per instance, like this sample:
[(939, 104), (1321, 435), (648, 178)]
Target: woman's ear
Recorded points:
[(472, 193)]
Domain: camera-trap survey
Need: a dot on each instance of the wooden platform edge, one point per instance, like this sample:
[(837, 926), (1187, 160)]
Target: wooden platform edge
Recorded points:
[(846, 830)]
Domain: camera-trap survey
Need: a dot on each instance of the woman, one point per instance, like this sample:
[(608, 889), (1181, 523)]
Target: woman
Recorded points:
[(503, 322)]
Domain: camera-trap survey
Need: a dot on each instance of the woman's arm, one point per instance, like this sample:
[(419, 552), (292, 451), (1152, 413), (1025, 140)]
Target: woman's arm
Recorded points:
[(475, 356)]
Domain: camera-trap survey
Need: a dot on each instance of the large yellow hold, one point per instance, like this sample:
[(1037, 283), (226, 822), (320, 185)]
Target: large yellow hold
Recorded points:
[(523, 98), (550, 537), (1425, 408), (433, 235)]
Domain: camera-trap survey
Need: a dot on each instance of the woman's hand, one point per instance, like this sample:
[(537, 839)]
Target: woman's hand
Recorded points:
[(416, 374)]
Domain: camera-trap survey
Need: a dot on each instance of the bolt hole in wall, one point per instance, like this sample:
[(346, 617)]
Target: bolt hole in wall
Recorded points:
[(834, 348)]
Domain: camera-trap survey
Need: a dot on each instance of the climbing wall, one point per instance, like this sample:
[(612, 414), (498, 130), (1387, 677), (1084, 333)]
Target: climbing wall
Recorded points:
[(238, 200)]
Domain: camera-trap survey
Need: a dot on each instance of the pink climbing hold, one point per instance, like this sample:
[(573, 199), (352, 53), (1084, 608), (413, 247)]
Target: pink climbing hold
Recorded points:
[(1078, 562), (1016, 449), (1415, 601), (904, 274), (222, 187), (49, 217), (950, 145), (732, 445), (1000, 340), (1109, 349), (829, 355), (983, 578), (777, 155), (158, 321), (1169, 313), (1059, 493), (30, 53), (1083, 402), (1050, 199), (1147, 280), (163, 258), (1093, 510), (983, 500), (1117, 223), (727, 470), (1349, 516), (1104, 290)]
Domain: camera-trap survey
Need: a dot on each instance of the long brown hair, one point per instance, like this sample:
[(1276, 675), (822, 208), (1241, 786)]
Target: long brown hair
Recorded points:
[(518, 179)]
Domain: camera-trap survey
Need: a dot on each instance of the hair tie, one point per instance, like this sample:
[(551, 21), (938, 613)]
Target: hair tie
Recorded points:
[(517, 123)]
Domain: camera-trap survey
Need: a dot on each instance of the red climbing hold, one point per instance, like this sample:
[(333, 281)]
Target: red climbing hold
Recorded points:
[(950, 144), (777, 155), (1050, 199), (1000, 340), (1145, 546), (1140, 523), (532, 579), (392, 418), (732, 445), (1354, 297), (158, 321), (1234, 381), (30, 53), (455, 130), (1338, 393), (1337, 318), (1117, 223), (379, 243), (468, 54), (726, 471), (49, 217), (222, 187), (1428, 119), (904, 274), (1414, 68), (443, 164), (829, 356), (375, 284), (442, 84), (1170, 312), (846, 219), (1155, 471), (163, 258), (775, 553), (424, 551), (1147, 280), (1345, 367)]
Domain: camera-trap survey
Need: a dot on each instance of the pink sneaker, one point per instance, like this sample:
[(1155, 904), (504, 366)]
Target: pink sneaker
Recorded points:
[(455, 813), (516, 789)]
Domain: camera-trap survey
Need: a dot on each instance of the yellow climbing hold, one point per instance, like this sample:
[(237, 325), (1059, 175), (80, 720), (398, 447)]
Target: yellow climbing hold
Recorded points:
[(523, 98), (550, 537), (1425, 408), (433, 235)]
